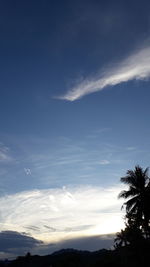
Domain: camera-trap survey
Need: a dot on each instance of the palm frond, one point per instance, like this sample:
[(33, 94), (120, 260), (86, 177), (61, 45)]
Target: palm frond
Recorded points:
[(131, 203), (129, 180), (130, 193)]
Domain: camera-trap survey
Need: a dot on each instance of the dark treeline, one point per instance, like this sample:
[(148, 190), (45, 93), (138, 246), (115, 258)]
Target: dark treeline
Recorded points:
[(122, 257), (131, 245)]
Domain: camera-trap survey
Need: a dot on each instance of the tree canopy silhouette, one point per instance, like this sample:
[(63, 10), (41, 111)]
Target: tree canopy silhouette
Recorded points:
[(138, 198), (137, 219)]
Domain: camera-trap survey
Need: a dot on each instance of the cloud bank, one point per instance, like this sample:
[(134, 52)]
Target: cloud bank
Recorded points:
[(13, 244), (136, 66), (53, 215)]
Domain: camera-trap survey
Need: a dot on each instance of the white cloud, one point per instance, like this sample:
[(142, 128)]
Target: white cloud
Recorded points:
[(55, 214), (136, 66)]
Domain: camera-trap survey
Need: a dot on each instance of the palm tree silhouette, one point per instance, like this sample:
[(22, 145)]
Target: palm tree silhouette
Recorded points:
[(138, 205)]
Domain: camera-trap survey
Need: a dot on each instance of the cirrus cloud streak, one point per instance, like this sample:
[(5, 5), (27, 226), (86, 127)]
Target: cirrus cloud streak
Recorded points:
[(136, 66)]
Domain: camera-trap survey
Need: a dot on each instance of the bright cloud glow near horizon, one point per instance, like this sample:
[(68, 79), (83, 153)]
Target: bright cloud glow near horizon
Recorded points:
[(74, 113), (54, 214)]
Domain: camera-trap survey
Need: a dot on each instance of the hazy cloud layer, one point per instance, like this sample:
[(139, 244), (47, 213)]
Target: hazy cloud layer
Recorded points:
[(91, 243), (136, 66), (54, 214), (88, 243)]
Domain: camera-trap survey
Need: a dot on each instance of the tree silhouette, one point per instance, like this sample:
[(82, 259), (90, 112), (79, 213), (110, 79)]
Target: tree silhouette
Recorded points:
[(121, 239), (138, 195), (129, 236)]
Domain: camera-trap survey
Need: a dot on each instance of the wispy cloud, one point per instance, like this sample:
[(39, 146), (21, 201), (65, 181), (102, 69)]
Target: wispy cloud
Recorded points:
[(27, 171), (4, 153), (104, 162), (55, 214), (131, 148), (136, 66)]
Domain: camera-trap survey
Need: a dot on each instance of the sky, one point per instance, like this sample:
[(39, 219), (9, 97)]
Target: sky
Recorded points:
[(74, 117)]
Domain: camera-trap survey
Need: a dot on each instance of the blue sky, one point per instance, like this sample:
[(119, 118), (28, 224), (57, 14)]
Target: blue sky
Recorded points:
[(74, 113)]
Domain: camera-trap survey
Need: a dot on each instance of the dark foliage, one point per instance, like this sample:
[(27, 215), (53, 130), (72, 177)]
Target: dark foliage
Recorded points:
[(134, 240), (121, 257), (138, 199)]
